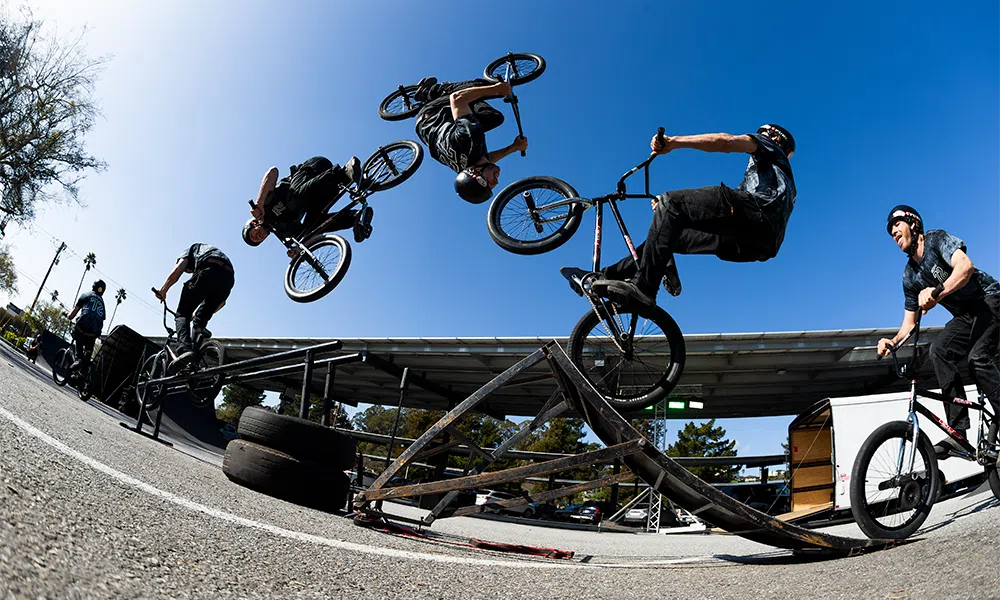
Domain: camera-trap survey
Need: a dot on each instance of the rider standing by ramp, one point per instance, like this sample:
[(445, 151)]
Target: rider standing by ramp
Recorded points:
[(745, 224), (940, 272), (453, 123), (202, 296)]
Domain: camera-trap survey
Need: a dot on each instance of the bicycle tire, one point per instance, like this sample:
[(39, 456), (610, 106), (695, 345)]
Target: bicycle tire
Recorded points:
[(993, 472), (203, 391), (509, 221), (60, 367), (623, 386), (918, 497), (155, 367), (523, 59), (380, 175), (407, 107), (333, 276)]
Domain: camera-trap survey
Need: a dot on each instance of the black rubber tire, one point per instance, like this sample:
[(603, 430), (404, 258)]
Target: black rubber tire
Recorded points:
[(266, 470), (500, 64), (993, 471), (304, 440), (155, 367), (510, 197), (203, 391), (651, 390), (60, 368), (376, 169), (864, 513), (389, 112), (333, 278), (527, 514)]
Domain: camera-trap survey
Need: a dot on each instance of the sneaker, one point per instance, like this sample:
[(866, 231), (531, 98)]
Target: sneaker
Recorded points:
[(353, 170), (672, 284), (424, 88), (575, 277), (948, 447), (624, 293), (363, 224)]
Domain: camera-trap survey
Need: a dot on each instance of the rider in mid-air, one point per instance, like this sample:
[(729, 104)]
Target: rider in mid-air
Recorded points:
[(202, 296), (304, 192), (88, 327), (745, 224), (940, 272), (453, 123)]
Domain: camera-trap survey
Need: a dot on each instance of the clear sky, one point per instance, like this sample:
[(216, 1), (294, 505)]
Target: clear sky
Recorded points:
[(889, 102)]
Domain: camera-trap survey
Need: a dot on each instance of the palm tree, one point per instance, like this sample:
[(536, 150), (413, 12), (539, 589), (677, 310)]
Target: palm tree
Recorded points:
[(88, 262), (55, 296), (120, 296)]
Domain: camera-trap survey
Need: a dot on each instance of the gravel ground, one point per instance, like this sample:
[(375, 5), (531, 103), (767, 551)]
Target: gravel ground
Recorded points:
[(90, 510)]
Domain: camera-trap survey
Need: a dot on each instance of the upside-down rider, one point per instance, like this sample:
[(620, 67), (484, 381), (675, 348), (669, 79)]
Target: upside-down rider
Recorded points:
[(203, 295), (453, 123), (744, 224), (305, 192), (88, 327), (939, 271)]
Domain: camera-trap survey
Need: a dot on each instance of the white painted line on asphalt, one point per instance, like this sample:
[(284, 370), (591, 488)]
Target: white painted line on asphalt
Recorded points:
[(298, 535)]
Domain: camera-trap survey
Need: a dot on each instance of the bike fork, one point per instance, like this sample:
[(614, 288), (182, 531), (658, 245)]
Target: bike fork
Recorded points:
[(915, 426)]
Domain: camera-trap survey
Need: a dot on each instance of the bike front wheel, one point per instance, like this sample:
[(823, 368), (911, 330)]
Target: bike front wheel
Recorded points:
[(391, 165), (515, 68), (533, 215), (400, 104), (61, 365), (889, 502), (155, 367), (631, 357), (311, 276), (203, 390)]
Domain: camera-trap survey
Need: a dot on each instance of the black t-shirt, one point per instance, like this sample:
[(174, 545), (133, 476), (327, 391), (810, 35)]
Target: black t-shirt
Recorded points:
[(197, 254), (768, 179), (453, 143), (935, 267), (92, 313)]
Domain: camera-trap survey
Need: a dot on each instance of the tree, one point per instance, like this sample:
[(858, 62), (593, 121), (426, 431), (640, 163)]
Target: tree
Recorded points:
[(55, 296), (706, 440), (46, 109), (49, 316), (8, 276), (234, 399), (88, 262), (120, 297)]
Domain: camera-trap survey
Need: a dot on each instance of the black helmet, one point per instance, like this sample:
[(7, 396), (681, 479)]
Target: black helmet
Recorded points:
[(99, 287), (250, 224), (472, 186), (905, 213), (788, 143)]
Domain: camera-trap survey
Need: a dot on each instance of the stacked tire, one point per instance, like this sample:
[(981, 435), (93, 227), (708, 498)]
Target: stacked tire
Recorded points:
[(292, 459)]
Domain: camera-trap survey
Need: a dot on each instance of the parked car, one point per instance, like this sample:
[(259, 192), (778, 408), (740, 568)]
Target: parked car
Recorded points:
[(564, 513), (540, 510), (488, 496), (635, 516), (229, 432), (587, 514)]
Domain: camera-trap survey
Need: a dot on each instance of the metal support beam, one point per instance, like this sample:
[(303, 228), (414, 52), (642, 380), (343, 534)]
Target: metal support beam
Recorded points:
[(307, 375), (403, 383), (331, 374)]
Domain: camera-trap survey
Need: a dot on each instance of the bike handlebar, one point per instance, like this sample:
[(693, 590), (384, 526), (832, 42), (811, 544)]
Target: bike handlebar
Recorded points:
[(894, 348), (643, 165)]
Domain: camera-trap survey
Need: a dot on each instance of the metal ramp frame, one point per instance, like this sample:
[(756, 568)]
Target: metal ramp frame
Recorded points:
[(622, 441)]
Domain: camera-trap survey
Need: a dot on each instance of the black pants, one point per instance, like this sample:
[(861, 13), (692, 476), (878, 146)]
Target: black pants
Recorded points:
[(313, 187), (438, 100), (84, 343), (201, 296), (974, 335), (709, 220)]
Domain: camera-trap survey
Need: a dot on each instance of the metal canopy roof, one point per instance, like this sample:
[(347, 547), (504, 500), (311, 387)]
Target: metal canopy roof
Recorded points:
[(733, 375)]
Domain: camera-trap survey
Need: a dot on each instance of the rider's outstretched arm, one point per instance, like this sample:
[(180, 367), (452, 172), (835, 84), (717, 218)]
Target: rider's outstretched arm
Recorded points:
[(173, 277), (909, 322), (461, 99), (520, 143), (706, 142), (270, 179)]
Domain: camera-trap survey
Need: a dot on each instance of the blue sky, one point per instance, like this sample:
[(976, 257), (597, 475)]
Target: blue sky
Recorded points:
[(889, 103)]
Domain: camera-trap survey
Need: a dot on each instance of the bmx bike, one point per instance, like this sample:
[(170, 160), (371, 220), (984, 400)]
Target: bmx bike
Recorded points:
[(63, 374)]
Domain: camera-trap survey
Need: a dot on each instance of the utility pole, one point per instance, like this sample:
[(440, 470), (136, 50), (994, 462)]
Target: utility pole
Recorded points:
[(55, 259)]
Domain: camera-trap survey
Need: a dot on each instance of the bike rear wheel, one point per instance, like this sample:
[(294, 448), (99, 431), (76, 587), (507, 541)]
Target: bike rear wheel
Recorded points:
[(993, 445), (203, 390), (155, 367), (516, 68), (60, 367), (887, 506), (309, 279), (644, 369), (391, 165), (400, 104), (531, 224)]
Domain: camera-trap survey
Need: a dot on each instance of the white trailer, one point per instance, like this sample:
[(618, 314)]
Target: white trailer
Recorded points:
[(825, 440)]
